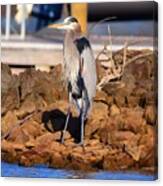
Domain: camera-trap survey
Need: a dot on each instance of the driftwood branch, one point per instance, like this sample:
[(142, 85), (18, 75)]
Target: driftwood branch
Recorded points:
[(138, 57), (19, 123), (114, 71)]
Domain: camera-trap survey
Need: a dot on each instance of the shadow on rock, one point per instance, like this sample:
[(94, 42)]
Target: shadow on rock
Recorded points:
[(54, 120)]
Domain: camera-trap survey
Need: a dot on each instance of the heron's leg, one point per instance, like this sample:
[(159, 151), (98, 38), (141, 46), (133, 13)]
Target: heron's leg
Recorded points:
[(67, 119), (82, 120), (82, 128)]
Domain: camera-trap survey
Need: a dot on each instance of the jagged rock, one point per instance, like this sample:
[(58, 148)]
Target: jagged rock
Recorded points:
[(119, 100), (133, 101), (46, 138), (32, 85), (32, 128), (10, 98), (57, 135), (17, 135), (150, 114), (98, 117), (133, 151), (26, 108), (134, 120), (57, 160), (123, 138), (58, 147), (30, 144), (8, 122), (101, 96), (147, 144), (119, 161), (6, 146), (110, 100), (117, 131), (114, 110)]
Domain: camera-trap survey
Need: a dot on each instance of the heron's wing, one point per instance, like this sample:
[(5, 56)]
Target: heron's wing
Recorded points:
[(71, 61), (87, 62)]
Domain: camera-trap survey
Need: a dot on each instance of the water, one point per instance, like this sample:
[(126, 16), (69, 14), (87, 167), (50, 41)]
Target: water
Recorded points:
[(42, 171)]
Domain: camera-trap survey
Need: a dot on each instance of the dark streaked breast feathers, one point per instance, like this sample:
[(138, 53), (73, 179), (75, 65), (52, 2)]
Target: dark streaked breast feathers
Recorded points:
[(81, 44)]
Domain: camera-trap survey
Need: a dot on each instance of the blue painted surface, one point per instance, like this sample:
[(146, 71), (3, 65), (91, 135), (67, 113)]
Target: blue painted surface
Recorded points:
[(126, 28), (41, 171)]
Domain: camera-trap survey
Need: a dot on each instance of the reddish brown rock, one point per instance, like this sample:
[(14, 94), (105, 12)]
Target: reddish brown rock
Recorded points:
[(150, 114), (32, 128), (57, 147), (57, 135), (98, 117), (31, 157), (123, 138), (133, 101), (30, 144), (8, 122), (10, 98), (110, 100), (26, 108), (46, 138), (6, 146), (133, 150), (57, 160), (117, 132), (133, 120), (77, 162), (101, 96), (148, 147), (120, 161), (120, 100), (114, 110), (17, 135)]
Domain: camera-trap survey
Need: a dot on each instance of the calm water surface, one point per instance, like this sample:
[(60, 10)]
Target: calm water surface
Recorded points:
[(41, 171)]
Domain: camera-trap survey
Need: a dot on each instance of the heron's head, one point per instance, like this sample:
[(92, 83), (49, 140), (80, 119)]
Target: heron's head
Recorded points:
[(69, 23)]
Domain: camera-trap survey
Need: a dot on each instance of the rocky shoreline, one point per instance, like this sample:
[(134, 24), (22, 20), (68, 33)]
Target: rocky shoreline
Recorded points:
[(120, 133)]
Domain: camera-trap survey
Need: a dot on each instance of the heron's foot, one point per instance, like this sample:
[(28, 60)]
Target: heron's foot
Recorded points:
[(62, 141), (81, 143), (76, 145)]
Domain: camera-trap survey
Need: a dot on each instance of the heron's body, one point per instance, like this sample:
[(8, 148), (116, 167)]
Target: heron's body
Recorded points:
[(80, 71)]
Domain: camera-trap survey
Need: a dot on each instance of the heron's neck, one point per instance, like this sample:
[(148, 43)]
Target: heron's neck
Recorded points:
[(71, 35)]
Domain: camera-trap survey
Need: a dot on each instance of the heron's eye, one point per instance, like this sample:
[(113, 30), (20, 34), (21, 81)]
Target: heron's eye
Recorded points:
[(67, 22)]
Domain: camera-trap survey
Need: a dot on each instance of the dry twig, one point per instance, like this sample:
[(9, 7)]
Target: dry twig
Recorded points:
[(19, 123), (114, 72), (138, 57)]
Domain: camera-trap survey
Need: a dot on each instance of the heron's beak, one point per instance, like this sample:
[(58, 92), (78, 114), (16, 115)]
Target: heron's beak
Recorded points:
[(57, 26)]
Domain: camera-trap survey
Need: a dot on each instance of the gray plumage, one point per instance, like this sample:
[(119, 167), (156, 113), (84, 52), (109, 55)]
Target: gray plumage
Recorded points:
[(79, 70), (78, 54)]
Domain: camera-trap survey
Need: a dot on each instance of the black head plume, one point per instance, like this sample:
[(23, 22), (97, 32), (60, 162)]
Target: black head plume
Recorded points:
[(71, 20)]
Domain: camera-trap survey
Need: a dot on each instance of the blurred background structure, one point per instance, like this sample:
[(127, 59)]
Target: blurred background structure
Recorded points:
[(26, 40)]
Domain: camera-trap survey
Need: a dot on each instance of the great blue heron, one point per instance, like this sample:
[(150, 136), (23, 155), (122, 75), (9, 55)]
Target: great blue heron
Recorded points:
[(79, 70)]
